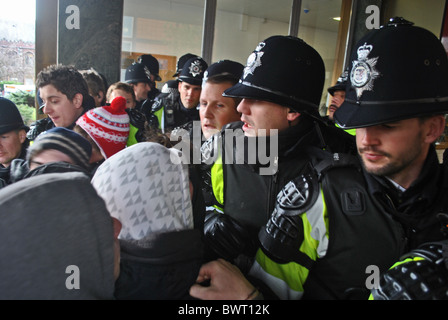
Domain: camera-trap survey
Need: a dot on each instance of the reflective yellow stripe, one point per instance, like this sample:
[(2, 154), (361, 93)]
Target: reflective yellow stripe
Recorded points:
[(399, 263), (406, 261), (131, 139), (159, 115), (350, 131), (217, 176), (276, 275), (287, 280)]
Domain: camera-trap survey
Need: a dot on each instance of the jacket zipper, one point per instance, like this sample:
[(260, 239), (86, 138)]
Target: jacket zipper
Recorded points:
[(273, 187)]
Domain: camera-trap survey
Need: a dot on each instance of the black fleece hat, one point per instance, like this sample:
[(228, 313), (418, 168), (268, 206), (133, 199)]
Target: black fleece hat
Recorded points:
[(10, 117)]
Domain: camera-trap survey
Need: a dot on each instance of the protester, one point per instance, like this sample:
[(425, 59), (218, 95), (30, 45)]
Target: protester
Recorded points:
[(107, 128), (59, 239), (149, 190), (59, 144), (137, 119), (65, 96), (56, 150), (96, 85)]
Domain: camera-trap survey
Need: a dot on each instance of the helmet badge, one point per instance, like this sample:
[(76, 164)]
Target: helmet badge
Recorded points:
[(364, 72), (147, 72), (195, 68), (254, 60)]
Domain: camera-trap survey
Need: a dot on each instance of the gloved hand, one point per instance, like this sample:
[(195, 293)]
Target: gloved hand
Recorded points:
[(226, 237), (422, 276)]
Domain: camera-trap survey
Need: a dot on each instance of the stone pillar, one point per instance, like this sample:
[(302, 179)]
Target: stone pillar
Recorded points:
[(90, 35), (46, 38), (358, 26)]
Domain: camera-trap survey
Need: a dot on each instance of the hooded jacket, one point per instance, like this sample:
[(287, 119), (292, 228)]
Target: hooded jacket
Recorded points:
[(147, 189), (57, 243)]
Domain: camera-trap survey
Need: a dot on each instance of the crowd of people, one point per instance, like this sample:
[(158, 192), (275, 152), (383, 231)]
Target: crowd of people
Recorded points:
[(104, 197)]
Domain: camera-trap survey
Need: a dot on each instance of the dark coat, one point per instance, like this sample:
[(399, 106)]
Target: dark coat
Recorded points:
[(159, 268)]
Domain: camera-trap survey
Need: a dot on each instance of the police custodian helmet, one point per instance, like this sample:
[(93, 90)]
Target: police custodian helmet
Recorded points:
[(341, 83), (284, 70), (137, 72), (397, 72), (10, 118), (193, 71), (152, 64)]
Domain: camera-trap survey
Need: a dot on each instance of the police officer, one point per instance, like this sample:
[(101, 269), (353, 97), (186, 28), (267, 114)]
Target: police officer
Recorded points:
[(139, 76), (153, 65), (421, 274), (170, 87), (279, 113), (181, 62), (337, 93), (215, 111), (13, 140), (171, 110), (342, 216)]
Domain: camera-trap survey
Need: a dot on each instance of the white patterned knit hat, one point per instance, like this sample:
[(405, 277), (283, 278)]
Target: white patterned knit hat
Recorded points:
[(108, 126), (147, 188)]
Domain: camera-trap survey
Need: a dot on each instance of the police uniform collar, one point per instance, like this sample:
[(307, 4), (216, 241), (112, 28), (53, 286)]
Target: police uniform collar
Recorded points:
[(424, 187)]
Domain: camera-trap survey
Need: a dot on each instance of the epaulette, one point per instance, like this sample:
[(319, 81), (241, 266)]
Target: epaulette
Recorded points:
[(157, 105), (210, 149), (323, 161)]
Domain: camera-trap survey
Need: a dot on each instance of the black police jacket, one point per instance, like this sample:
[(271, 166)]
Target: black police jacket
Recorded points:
[(249, 197), (417, 207), (369, 224), (174, 112)]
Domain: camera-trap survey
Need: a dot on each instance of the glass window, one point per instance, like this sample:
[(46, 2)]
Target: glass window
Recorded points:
[(164, 29), (169, 29), (319, 26), (17, 26), (241, 25)]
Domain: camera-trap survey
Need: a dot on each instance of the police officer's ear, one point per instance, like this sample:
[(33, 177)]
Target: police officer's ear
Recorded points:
[(292, 115), (435, 126), (22, 136)]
